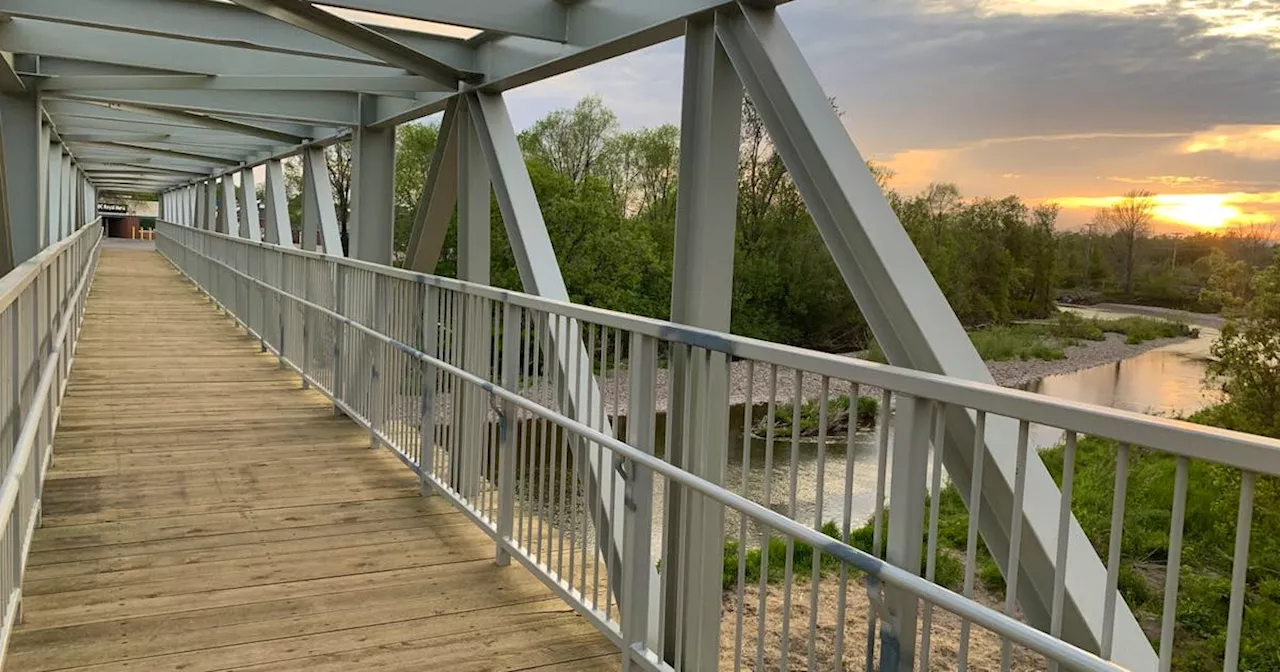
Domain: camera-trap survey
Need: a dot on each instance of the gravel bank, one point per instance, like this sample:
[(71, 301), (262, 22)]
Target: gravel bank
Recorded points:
[(1078, 357)]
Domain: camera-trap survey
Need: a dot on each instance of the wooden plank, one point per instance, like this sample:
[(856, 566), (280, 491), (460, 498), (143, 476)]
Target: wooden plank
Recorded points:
[(204, 513)]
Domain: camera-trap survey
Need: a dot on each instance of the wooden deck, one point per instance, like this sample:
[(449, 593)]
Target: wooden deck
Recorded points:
[(205, 513)]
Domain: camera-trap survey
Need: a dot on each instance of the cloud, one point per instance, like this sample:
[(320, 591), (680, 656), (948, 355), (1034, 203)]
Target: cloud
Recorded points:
[(1249, 141), (1088, 98), (960, 73)]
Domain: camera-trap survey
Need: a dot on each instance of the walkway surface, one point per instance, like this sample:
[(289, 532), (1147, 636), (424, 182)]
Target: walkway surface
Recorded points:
[(205, 513)]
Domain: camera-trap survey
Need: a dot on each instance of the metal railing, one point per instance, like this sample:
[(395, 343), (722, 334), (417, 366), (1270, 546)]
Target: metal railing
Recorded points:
[(522, 410), (41, 309)]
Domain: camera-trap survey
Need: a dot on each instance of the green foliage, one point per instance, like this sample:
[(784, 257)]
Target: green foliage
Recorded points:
[(415, 145), (811, 417), (948, 571), (1072, 326), (1246, 361), (609, 201), (1046, 341), (1208, 529), (1001, 344)]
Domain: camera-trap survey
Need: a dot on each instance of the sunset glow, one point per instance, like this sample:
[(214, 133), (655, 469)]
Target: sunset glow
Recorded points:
[(1202, 211)]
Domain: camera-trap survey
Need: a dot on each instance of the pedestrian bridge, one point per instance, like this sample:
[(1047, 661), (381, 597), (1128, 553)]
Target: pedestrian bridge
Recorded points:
[(257, 446)]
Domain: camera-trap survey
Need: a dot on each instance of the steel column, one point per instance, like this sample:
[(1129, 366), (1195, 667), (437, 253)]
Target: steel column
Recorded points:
[(702, 284), (473, 204), (201, 203), (210, 222), (22, 162), (67, 222), (373, 176), (227, 221), (249, 225), (53, 194), (278, 229)]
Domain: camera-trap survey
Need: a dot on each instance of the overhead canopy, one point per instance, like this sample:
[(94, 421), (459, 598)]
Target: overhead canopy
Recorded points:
[(164, 92)]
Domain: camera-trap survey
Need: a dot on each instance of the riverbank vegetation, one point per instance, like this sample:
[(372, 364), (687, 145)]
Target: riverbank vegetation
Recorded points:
[(838, 418), (1047, 340)]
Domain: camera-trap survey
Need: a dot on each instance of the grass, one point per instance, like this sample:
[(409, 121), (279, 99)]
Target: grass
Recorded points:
[(1208, 543), (1046, 341), (811, 417), (949, 571)]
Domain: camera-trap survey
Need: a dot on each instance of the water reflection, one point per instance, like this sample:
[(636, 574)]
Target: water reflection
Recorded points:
[(1167, 381)]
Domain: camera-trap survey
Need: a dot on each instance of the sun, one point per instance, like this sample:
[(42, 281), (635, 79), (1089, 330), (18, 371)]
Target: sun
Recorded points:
[(1205, 211)]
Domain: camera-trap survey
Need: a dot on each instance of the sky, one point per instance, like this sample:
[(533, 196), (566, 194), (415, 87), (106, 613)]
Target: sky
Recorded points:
[(1069, 101)]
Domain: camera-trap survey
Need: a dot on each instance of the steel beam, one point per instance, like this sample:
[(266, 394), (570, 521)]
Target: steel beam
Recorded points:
[(596, 31), (365, 84), (278, 229), (110, 137), (913, 322), (319, 218), (42, 38), (10, 82), (147, 116), (333, 108), (435, 209), (218, 23), (702, 282), (308, 17), (128, 147), (250, 227), (373, 176), (542, 19), (22, 154)]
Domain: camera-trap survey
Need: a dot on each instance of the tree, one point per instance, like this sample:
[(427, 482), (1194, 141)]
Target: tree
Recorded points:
[(1226, 285), (338, 158), (1247, 359), (571, 142), (1129, 221), (415, 147), (941, 199)]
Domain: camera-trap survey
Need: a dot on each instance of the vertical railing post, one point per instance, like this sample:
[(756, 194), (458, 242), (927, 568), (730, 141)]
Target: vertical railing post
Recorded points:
[(340, 307), (307, 274), (427, 425), (275, 299), (906, 529), (637, 514), (377, 359), (508, 425)]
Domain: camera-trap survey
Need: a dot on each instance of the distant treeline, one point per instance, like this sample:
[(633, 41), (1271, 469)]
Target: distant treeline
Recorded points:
[(609, 200)]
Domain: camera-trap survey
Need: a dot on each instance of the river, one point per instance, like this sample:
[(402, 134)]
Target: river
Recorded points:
[(1167, 381)]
